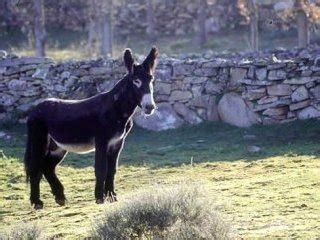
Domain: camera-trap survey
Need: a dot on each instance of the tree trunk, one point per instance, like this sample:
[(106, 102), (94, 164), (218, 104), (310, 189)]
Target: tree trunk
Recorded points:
[(150, 22), (39, 28), (254, 30), (202, 33), (106, 36), (303, 29)]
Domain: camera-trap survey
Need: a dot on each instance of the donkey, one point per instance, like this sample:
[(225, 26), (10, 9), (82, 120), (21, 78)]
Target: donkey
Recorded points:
[(99, 123)]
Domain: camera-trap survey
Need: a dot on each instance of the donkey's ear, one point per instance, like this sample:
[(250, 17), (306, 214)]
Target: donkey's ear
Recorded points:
[(128, 60), (150, 62)]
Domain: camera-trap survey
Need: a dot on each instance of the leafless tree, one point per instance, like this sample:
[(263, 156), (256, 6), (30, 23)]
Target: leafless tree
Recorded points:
[(302, 22), (39, 28), (202, 33), (106, 30), (151, 32), (254, 19)]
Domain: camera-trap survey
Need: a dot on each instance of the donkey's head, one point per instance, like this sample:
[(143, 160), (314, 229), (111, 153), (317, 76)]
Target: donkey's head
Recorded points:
[(141, 76)]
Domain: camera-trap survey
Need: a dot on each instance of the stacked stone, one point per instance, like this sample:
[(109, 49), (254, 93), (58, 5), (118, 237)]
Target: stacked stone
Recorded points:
[(283, 91), (20, 83), (240, 89)]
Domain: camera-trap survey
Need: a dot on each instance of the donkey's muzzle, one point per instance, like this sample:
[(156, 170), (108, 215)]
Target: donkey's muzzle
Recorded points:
[(149, 109)]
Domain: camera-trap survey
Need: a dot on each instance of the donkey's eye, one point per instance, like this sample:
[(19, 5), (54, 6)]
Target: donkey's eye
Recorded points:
[(137, 82)]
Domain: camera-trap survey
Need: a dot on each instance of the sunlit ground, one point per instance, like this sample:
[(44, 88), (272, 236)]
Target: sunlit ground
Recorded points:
[(269, 194)]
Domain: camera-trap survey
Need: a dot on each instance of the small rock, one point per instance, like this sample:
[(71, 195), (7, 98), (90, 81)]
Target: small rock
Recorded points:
[(253, 149), (2, 134)]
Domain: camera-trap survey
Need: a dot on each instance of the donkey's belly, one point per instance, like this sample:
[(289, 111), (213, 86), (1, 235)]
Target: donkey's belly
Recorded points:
[(80, 148)]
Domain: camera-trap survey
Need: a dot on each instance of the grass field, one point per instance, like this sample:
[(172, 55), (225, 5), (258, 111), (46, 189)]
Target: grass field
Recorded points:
[(66, 44), (274, 193)]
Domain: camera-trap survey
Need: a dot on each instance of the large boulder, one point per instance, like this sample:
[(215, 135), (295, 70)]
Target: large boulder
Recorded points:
[(164, 118), (232, 109)]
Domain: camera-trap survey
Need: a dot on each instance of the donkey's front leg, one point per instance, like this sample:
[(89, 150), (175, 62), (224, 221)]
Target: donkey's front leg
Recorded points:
[(100, 168), (112, 157)]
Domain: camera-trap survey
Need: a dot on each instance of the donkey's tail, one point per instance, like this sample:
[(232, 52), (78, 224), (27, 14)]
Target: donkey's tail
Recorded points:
[(35, 148)]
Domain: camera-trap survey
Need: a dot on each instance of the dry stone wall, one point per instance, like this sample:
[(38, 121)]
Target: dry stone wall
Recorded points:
[(245, 89)]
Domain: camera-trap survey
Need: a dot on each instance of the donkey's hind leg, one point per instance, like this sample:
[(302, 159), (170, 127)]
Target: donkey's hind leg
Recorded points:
[(53, 158), (35, 154)]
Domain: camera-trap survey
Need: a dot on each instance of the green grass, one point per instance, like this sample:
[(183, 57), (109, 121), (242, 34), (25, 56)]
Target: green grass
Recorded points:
[(66, 44), (271, 194)]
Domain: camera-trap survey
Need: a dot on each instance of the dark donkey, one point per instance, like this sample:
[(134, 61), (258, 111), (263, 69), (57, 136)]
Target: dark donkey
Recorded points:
[(100, 123)]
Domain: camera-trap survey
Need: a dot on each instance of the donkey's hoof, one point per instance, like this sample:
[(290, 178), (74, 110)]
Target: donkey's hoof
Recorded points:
[(61, 201), (38, 205), (111, 196), (100, 201)]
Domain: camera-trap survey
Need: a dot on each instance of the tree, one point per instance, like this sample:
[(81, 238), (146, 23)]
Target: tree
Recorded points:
[(106, 31), (39, 28), (254, 19), (151, 32), (302, 22), (202, 15)]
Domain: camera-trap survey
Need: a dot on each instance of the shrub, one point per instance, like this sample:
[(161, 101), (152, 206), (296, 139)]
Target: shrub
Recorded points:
[(169, 213), (26, 231)]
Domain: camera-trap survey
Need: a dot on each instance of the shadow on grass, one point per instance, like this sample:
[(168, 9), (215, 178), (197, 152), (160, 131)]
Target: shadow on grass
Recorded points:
[(206, 142)]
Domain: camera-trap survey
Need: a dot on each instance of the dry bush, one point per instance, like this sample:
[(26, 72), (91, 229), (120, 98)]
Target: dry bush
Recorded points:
[(170, 213), (25, 231)]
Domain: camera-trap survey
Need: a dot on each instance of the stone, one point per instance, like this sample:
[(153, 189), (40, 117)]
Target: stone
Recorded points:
[(310, 84), (182, 69), (267, 99), (279, 90), (3, 70), (7, 100), (195, 80), (163, 88), (2, 134), (277, 75), (212, 110), (251, 72), (178, 95), (278, 103), (187, 114), (233, 110), (80, 72), (300, 81), (276, 111), (214, 88), (41, 73), (254, 94), (299, 105), (99, 71), (315, 92), (65, 74), (261, 74), (163, 75), (309, 112), (237, 74), (300, 94), (205, 72), (197, 90), (164, 118), (17, 85), (200, 101), (253, 149), (255, 82)]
